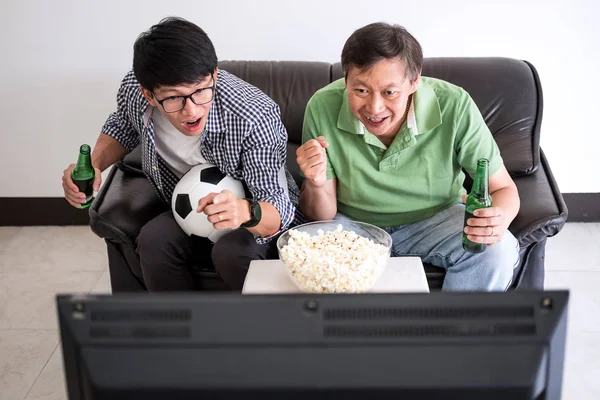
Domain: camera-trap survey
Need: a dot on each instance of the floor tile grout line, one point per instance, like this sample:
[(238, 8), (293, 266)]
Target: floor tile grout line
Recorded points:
[(42, 370)]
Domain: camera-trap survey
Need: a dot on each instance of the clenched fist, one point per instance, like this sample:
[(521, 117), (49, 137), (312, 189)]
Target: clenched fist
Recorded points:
[(311, 158)]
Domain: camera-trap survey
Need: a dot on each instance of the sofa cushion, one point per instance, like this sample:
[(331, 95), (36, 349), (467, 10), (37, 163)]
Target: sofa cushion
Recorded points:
[(509, 96)]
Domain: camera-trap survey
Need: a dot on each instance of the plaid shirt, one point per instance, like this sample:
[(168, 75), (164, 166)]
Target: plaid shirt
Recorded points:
[(244, 137)]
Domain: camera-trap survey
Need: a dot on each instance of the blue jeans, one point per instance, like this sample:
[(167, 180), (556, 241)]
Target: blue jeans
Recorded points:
[(438, 241)]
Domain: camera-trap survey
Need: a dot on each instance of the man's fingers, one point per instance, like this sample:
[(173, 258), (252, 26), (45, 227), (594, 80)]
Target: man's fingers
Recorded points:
[(311, 157), (72, 203), (488, 212), (312, 152), (311, 146), (489, 240), (68, 184), (67, 180), (202, 203), (73, 194), (74, 199), (480, 221), (206, 200), (222, 197), (323, 142)]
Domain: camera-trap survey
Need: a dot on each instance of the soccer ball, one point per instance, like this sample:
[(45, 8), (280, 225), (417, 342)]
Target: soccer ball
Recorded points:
[(195, 184)]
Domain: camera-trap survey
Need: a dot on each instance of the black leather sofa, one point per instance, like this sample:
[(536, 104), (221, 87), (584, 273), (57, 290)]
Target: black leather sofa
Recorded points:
[(507, 91)]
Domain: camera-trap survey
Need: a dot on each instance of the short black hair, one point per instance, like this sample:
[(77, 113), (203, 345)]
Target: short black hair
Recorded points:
[(171, 53), (378, 41)]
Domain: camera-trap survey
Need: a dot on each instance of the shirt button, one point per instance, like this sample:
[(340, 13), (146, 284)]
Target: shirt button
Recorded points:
[(382, 150), (155, 168), (407, 139), (159, 188)]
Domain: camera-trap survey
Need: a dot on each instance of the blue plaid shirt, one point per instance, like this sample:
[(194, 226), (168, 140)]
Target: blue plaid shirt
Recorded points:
[(244, 137)]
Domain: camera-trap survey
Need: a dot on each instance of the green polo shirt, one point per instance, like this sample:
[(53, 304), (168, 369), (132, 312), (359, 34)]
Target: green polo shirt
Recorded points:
[(420, 173)]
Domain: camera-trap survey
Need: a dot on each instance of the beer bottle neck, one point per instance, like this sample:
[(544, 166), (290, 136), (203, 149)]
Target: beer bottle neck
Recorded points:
[(481, 182), (84, 159)]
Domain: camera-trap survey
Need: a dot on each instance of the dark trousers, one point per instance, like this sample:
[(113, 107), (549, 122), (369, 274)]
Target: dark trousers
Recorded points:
[(168, 255)]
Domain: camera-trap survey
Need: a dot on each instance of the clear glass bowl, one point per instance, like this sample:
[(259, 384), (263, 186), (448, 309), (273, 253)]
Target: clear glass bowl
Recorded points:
[(335, 256)]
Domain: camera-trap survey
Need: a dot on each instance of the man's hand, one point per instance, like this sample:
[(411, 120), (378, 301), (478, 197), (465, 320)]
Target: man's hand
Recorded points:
[(312, 160), (224, 210), (72, 193), (488, 227)]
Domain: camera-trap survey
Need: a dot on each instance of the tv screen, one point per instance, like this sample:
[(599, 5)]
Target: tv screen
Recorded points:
[(462, 345)]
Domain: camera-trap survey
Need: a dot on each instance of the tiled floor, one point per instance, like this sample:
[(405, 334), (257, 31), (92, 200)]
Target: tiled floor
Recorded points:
[(38, 262)]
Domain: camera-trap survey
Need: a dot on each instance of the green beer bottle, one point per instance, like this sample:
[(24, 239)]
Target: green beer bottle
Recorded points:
[(478, 198), (83, 175)]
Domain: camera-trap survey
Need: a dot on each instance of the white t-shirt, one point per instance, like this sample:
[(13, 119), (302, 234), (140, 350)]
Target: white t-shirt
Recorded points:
[(179, 151)]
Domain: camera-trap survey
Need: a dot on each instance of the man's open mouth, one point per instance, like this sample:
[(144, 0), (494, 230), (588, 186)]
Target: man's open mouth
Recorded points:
[(192, 123)]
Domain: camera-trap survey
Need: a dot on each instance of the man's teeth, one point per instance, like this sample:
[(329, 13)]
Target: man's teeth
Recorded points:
[(375, 119)]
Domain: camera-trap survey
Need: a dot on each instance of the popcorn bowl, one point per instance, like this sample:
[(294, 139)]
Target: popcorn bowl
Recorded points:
[(337, 256)]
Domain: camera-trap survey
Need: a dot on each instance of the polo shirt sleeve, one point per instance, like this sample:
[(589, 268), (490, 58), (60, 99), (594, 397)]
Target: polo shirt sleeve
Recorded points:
[(474, 139), (313, 127), (118, 124)]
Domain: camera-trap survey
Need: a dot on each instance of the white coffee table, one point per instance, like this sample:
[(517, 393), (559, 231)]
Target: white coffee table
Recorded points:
[(402, 274)]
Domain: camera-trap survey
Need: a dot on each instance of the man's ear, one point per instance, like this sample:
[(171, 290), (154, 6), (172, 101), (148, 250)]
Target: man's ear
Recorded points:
[(415, 83), (149, 96)]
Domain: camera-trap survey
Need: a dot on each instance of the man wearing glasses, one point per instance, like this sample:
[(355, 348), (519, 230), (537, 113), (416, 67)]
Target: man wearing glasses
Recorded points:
[(183, 111)]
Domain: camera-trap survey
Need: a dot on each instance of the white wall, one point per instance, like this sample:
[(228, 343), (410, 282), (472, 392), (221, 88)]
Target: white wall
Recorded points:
[(62, 61)]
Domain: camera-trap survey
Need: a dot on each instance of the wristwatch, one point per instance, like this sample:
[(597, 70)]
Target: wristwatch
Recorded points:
[(255, 214)]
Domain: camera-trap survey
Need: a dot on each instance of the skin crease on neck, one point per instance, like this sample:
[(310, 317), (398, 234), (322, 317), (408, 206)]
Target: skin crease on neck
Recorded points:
[(378, 97), (191, 120)]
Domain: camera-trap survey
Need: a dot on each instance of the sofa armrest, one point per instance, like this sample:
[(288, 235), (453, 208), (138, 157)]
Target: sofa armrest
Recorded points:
[(125, 203), (543, 210)]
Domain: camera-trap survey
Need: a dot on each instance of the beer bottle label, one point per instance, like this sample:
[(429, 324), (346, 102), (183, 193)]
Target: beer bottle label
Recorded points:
[(85, 186)]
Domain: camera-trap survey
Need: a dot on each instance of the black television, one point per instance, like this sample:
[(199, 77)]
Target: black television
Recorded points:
[(467, 345)]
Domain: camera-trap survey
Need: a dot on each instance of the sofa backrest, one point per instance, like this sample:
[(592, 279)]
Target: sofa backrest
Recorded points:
[(507, 92)]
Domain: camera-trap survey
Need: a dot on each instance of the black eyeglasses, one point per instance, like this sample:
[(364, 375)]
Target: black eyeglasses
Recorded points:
[(176, 103)]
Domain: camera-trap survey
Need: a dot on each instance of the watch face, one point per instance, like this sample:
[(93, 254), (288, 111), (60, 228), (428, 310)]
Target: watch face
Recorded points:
[(256, 211), (255, 214)]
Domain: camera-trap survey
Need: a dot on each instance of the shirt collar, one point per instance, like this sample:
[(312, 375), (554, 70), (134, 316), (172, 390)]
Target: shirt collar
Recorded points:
[(423, 116)]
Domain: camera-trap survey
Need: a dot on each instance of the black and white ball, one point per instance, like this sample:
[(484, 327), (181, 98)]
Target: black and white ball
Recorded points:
[(195, 184)]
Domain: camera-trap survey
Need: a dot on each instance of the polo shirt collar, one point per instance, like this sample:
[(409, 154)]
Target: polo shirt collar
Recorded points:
[(425, 108)]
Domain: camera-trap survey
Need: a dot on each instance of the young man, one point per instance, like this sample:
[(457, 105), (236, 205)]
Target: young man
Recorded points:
[(183, 111), (386, 146)]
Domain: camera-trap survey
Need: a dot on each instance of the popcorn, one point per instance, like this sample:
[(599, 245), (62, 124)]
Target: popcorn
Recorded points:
[(338, 261)]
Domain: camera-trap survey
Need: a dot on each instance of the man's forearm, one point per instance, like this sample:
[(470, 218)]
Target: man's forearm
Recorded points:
[(107, 151), (508, 200), (317, 203)]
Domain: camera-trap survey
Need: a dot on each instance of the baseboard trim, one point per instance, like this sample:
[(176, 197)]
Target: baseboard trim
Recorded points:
[(32, 211), (583, 207)]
